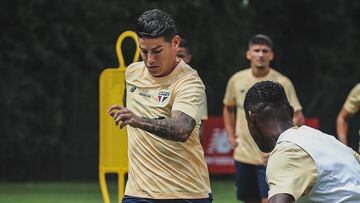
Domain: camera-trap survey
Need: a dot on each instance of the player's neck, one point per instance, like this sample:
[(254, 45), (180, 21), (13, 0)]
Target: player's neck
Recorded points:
[(172, 67), (260, 72)]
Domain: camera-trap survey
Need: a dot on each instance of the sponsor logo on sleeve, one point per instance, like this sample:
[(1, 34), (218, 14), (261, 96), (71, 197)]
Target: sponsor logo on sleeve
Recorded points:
[(132, 89)]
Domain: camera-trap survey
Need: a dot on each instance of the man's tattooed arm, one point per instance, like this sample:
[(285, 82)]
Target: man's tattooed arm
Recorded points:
[(177, 128)]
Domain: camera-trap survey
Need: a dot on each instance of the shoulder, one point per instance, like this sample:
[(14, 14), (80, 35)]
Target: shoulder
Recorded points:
[(281, 78), (288, 156), (134, 67), (282, 153), (356, 89), (290, 170), (352, 102), (187, 70), (187, 75), (282, 148), (134, 71), (240, 74)]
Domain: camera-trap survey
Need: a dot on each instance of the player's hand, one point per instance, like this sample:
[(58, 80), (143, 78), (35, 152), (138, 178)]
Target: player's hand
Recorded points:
[(232, 141), (122, 114)]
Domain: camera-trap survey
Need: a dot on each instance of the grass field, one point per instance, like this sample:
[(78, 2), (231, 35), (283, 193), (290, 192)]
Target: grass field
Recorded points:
[(89, 192)]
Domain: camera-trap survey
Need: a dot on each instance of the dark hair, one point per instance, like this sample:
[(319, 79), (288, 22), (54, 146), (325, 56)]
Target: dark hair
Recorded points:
[(261, 39), (156, 23), (266, 93), (184, 43)]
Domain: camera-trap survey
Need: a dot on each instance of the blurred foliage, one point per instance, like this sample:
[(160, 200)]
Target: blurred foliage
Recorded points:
[(52, 53)]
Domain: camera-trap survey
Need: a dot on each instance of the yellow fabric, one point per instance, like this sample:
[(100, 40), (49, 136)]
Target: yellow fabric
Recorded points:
[(290, 160), (352, 103), (247, 151), (357, 156), (160, 168), (204, 110)]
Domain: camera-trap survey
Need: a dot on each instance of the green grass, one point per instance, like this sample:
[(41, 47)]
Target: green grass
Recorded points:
[(49, 193), (223, 188), (74, 192)]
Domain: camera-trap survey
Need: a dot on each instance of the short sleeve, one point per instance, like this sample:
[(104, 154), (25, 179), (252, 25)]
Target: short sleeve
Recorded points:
[(189, 97), (291, 94), (352, 102), (230, 96), (204, 110), (290, 170)]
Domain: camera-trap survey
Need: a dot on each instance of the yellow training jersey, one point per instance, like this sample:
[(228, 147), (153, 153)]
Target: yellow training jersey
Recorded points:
[(292, 170), (247, 151), (352, 103), (290, 160), (160, 168)]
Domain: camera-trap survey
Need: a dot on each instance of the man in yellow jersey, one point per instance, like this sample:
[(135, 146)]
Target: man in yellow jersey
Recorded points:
[(184, 53), (162, 114), (304, 162), (350, 107), (249, 160)]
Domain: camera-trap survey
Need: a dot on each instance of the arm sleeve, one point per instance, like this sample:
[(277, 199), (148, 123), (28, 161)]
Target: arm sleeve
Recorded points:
[(352, 102), (290, 170)]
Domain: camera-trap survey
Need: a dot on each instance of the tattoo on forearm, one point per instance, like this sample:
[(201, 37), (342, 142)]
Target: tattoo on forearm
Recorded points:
[(177, 128)]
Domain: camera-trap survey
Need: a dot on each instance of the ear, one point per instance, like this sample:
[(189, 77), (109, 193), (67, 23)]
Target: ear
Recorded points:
[(271, 55), (176, 41), (189, 57), (248, 55), (251, 117)]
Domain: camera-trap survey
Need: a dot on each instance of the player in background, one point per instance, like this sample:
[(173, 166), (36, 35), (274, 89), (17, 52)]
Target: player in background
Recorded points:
[(350, 107), (184, 52), (249, 160)]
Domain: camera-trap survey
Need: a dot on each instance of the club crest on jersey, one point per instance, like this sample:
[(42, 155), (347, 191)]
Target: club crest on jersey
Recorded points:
[(163, 95)]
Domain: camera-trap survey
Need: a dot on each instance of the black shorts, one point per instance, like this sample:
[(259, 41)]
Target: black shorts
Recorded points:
[(250, 182), (130, 199)]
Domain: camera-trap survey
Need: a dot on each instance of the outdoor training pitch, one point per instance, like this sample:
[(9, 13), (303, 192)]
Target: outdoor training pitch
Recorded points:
[(89, 192)]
